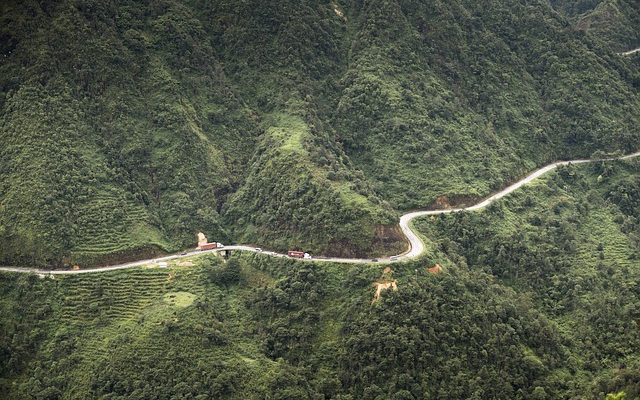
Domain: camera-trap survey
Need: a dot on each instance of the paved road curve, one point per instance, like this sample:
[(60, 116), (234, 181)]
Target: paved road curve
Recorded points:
[(416, 245)]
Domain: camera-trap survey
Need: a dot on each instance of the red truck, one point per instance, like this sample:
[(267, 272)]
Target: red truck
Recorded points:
[(299, 254), (208, 246)]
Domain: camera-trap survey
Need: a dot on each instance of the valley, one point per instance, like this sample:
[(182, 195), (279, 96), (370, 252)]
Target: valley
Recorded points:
[(391, 199)]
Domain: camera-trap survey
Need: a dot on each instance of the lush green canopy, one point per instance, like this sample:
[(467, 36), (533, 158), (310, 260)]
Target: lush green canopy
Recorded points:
[(127, 126)]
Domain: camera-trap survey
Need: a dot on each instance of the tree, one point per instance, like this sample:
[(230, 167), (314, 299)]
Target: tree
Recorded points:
[(226, 274)]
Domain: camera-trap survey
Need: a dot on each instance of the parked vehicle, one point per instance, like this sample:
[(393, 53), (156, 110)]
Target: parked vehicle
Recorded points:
[(220, 245), (393, 258), (307, 256), (258, 249), (296, 254)]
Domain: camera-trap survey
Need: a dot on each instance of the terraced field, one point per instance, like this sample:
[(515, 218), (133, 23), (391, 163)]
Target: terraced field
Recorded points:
[(105, 228), (601, 239), (134, 314), (113, 296)]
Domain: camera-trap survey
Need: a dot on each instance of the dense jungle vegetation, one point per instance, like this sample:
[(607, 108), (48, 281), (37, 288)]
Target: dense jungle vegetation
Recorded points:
[(128, 126), (538, 299), (570, 243)]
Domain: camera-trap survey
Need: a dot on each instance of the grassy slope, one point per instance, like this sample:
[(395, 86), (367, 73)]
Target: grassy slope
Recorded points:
[(140, 125)]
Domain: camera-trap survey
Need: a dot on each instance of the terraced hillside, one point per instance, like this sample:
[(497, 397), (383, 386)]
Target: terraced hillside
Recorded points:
[(127, 128), (535, 297), (106, 228), (111, 298)]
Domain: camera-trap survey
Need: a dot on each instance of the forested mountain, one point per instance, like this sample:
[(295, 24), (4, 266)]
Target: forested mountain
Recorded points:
[(536, 297), (614, 21), (128, 126)]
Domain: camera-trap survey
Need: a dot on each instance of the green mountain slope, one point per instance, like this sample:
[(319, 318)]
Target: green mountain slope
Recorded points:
[(571, 243), (615, 21), (129, 127), (537, 299), (297, 191), (456, 99), (116, 145)]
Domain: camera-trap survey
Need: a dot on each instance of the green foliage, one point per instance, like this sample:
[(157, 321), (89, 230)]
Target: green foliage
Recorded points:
[(127, 127), (290, 307), (456, 337), (615, 21), (224, 274), (571, 243), (616, 396)]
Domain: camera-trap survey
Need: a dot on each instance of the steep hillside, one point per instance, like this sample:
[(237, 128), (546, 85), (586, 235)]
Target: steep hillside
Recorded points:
[(615, 21), (536, 297), (571, 243), (127, 127), (297, 191), (119, 135), (455, 98)]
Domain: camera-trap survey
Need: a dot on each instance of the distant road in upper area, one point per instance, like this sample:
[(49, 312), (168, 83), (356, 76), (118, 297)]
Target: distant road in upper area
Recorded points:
[(628, 53), (416, 245)]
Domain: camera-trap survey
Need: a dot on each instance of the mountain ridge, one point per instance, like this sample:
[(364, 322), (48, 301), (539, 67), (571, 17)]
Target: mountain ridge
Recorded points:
[(164, 111)]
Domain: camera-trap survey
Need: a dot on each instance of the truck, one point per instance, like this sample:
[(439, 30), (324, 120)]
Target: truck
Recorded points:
[(208, 246), (299, 254)]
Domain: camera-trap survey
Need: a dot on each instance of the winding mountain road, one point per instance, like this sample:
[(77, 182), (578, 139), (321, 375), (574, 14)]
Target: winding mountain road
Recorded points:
[(416, 245), (630, 52)]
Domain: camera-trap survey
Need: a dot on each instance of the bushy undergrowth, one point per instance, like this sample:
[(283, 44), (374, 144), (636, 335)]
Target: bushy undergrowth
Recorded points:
[(538, 300), (126, 128)]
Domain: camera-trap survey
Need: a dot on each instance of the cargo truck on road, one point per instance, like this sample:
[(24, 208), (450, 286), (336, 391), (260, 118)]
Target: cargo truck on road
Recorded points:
[(209, 246), (298, 254)]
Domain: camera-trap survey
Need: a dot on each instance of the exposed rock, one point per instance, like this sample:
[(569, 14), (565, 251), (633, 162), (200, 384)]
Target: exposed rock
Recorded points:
[(380, 286), (436, 269), (202, 239)]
